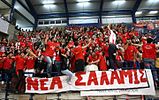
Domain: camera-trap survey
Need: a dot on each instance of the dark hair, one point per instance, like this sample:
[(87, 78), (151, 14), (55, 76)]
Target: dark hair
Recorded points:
[(149, 40)]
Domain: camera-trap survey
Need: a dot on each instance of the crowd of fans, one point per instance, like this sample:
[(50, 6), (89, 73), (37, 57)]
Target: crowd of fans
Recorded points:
[(67, 50)]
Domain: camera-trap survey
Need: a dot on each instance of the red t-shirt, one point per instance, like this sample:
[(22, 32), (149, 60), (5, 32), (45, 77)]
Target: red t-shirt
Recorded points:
[(90, 34), (70, 44), (78, 53), (129, 52), (1, 63), (105, 49), (56, 44), (1, 53), (20, 62), (30, 62), (124, 39), (118, 58), (149, 51), (50, 49), (131, 34), (20, 37), (136, 33), (22, 44), (102, 63), (92, 58), (30, 44), (7, 64)]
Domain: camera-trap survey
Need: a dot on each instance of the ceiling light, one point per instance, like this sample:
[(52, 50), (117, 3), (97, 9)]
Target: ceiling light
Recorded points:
[(48, 1), (118, 2), (138, 13), (83, 4), (153, 12), (83, 0), (49, 6), (153, 1)]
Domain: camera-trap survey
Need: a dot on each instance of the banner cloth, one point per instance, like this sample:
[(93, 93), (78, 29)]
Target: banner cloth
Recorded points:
[(95, 80)]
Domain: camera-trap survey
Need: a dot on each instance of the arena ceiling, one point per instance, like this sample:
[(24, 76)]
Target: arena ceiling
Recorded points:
[(51, 8), (44, 9), (64, 8)]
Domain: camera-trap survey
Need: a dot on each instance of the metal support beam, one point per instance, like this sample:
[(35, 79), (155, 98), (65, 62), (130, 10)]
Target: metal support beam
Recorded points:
[(24, 17), (12, 11), (66, 11), (135, 8), (33, 11), (133, 17), (5, 2), (24, 7), (35, 23), (100, 11), (30, 10)]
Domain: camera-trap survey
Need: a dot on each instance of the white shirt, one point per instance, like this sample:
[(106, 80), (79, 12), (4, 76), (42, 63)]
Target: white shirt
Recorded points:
[(112, 37)]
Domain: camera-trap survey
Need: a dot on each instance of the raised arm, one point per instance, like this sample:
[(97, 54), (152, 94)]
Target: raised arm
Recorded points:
[(94, 62), (29, 51), (138, 45), (87, 44), (46, 39)]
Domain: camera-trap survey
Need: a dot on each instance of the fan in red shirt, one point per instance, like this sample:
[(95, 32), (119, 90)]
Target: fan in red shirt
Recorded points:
[(124, 38), (8, 61), (30, 45), (149, 56), (49, 49), (50, 46), (97, 59), (1, 62), (29, 65), (20, 65), (149, 50), (79, 57), (93, 59), (102, 62), (105, 50), (7, 66), (57, 59), (130, 52)]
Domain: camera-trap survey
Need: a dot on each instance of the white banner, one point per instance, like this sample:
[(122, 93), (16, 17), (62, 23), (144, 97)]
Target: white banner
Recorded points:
[(95, 80), (138, 91)]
